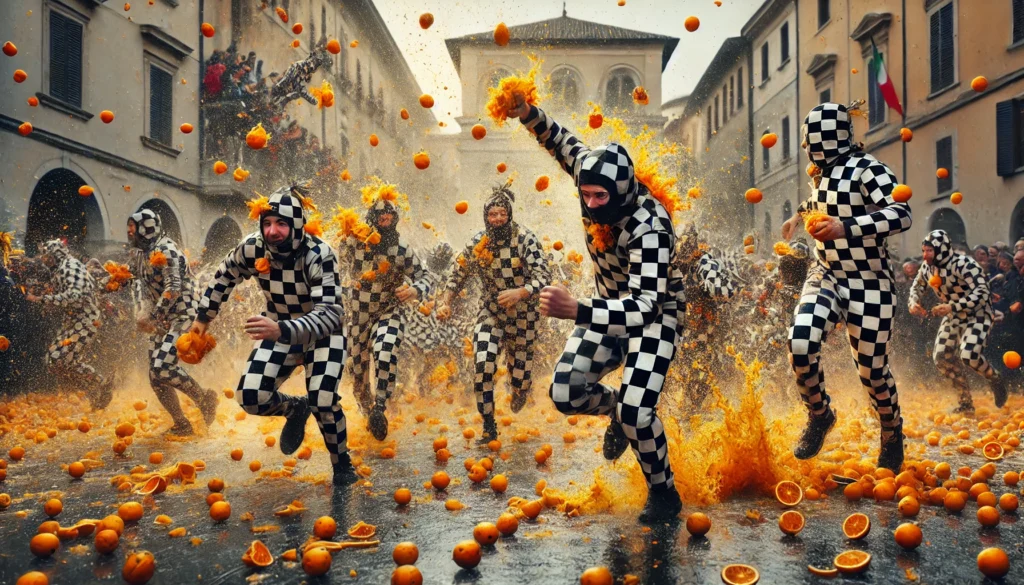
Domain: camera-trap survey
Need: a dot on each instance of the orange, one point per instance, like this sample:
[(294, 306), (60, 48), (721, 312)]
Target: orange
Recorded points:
[(25, 128), (50, 526), (130, 511), (507, 524), (33, 577), (258, 555), (426, 100), (403, 496), (468, 433), (740, 575), (494, 445), (541, 456), (856, 526), (937, 496), (44, 544), (791, 522), (477, 474), (485, 533), (440, 480), (993, 563), (487, 464), (954, 501), (943, 471), (692, 23), (479, 131), (297, 28), (1009, 502), (426, 19), (542, 183), (993, 452), (255, 465), (826, 573), (207, 30), (316, 561), (768, 140), (374, 141), (333, 46), (466, 554), (76, 469), (52, 507), (9, 49), (85, 190), (854, 561), (220, 511), (979, 83), (1011, 359), (988, 516), (909, 506), (156, 458), (597, 576), (906, 134), (16, 453), (440, 443), (788, 493), (406, 575), (595, 120), (107, 116), (385, 453), (698, 524), (462, 207), (532, 508), (405, 553), (112, 522), (942, 173), (501, 34), (977, 489), (853, 492), (986, 499), (362, 530), (257, 137), (1011, 478), (908, 535), (902, 193), (214, 497), (220, 168), (753, 195), (325, 528), (139, 567), (883, 492), (421, 160), (502, 167), (499, 483), (186, 128), (469, 463), (20, 75), (215, 485)]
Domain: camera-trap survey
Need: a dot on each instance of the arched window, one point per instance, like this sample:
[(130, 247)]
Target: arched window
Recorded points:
[(565, 89), (168, 220), (1017, 222), (618, 90), (56, 210), (767, 226), (221, 238), (950, 221), (787, 210)]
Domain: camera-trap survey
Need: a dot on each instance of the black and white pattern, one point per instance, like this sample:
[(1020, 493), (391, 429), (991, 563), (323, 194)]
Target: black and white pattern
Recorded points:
[(292, 84), (634, 319), (851, 281)]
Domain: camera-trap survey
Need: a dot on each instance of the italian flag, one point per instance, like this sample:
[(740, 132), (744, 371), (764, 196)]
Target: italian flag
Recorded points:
[(883, 81)]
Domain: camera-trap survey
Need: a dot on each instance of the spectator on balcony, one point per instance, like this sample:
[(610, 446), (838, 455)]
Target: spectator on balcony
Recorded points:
[(214, 72)]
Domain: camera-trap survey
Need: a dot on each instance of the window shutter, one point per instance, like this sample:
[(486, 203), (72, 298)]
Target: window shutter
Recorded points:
[(58, 55), (944, 160), (160, 102), (1006, 138), (784, 41), (709, 123), (764, 62), (823, 12), (73, 73), (947, 47), (785, 138), (1018, 20), (740, 87), (934, 51), (725, 105)]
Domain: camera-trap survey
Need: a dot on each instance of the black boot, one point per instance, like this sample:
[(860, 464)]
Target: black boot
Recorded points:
[(966, 404), (490, 429), (104, 394), (891, 455), (208, 406), (294, 430), (814, 435), (377, 423), (998, 391), (344, 473), (181, 428), (662, 506), (615, 441), (519, 398)]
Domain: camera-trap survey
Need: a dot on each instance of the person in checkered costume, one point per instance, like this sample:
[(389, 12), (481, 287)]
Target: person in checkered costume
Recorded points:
[(167, 310), (73, 292), (378, 274), (512, 267), (302, 324), (636, 316), (851, 282), (966, 312)]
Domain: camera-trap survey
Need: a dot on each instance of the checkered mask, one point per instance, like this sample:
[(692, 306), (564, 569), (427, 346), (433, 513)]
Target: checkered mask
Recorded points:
[(939, 240), (287, 206), (827, 134), (501, 197), (610, 167), (388, 235), (147, 228), (56, 249)]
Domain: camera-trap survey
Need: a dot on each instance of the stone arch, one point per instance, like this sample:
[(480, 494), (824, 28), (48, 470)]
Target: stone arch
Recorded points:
[(490, 78), (223, 235), (949, 220), (56, 210), (1017, 222), (168, 217), (566, 86), (617, 86)]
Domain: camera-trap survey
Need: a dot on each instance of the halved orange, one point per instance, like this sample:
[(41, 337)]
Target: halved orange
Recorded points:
[(258, 555), (856, 526), (826, 573), (791, 522), (153, 486), (852, 561), (740, 575), (293, 509), (993, 451), (788, 493), (362, 530)]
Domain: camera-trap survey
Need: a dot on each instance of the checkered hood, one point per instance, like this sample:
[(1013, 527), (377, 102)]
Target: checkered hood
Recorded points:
[(57, 249), (388, 235), (828, 134), (147, 228), (286, 205), (939, 240), (610, 167), (501, 197), (799, 249)]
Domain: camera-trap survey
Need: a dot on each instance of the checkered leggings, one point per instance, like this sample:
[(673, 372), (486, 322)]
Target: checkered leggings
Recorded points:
[(515, 333), (387, 340), (166, 377), (961, 342), (826, 300), (66, 355), (271, 363), (590, 356)]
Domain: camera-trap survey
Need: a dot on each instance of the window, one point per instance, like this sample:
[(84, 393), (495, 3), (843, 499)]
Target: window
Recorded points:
[(825, 96), (787, 210), (161, 87), (942, 48), (732, 93), (764, 62), (716, 113), (1009, 137), (709, 123), (784, 43), (1018, 21), (618, 91), (824, 12), (785, 138), (944, 160), (65, 59), (725, 107), (740, 87), (876, 103), (766, 161), (564, 89)]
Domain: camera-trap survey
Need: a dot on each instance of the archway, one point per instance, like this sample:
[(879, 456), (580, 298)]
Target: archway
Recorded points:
[(222, 236), (1017, 222), (168, 219), (56, 210), (950, 221)]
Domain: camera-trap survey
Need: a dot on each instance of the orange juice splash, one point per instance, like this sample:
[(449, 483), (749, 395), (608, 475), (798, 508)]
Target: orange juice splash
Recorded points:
[(503, 98)]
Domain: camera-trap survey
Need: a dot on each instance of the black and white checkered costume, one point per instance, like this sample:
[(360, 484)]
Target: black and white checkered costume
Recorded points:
[(851, 280), (963, 333), (74, 295), (292, 84), (375, 316), (304, 297), (635, 317), (517, 261), (167, 294)]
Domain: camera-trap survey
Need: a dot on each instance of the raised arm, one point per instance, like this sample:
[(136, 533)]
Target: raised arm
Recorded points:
[(325, 318), (537, 261), (233, 270), (876, 184), (559, 142)]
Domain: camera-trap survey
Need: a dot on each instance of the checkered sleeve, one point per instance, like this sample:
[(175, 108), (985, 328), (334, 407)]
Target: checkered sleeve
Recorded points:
[(917, 287), (172, 272), (972, 279), (562, 144), (462, 268), (325, 318), (716, 282), (876, 184), (69, 285), (650, 257), (419, 275), (237, 266), (537, 261)]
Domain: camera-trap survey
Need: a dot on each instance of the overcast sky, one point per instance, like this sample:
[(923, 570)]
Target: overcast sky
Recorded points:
[(430, 62)]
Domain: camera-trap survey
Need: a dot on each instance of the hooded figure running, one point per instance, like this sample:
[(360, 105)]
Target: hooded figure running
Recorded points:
[(966, 311), (166, 287), (513, 268), (375, 317), (74, 294), (298, 273), (634, 319), (853, 210)]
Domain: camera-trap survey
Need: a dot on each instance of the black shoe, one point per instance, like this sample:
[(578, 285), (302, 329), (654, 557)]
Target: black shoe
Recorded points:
[(344, 473), (966, 406), (998, 391), (294, 430), (378, 423), (662, 506), (519, 398), (891, 455), (181, 429), (103, 396), (490, 430), (814, 435), (615, 441), (208, 406)]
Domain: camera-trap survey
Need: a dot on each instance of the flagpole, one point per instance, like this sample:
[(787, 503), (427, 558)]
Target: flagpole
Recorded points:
[(903, 41)]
